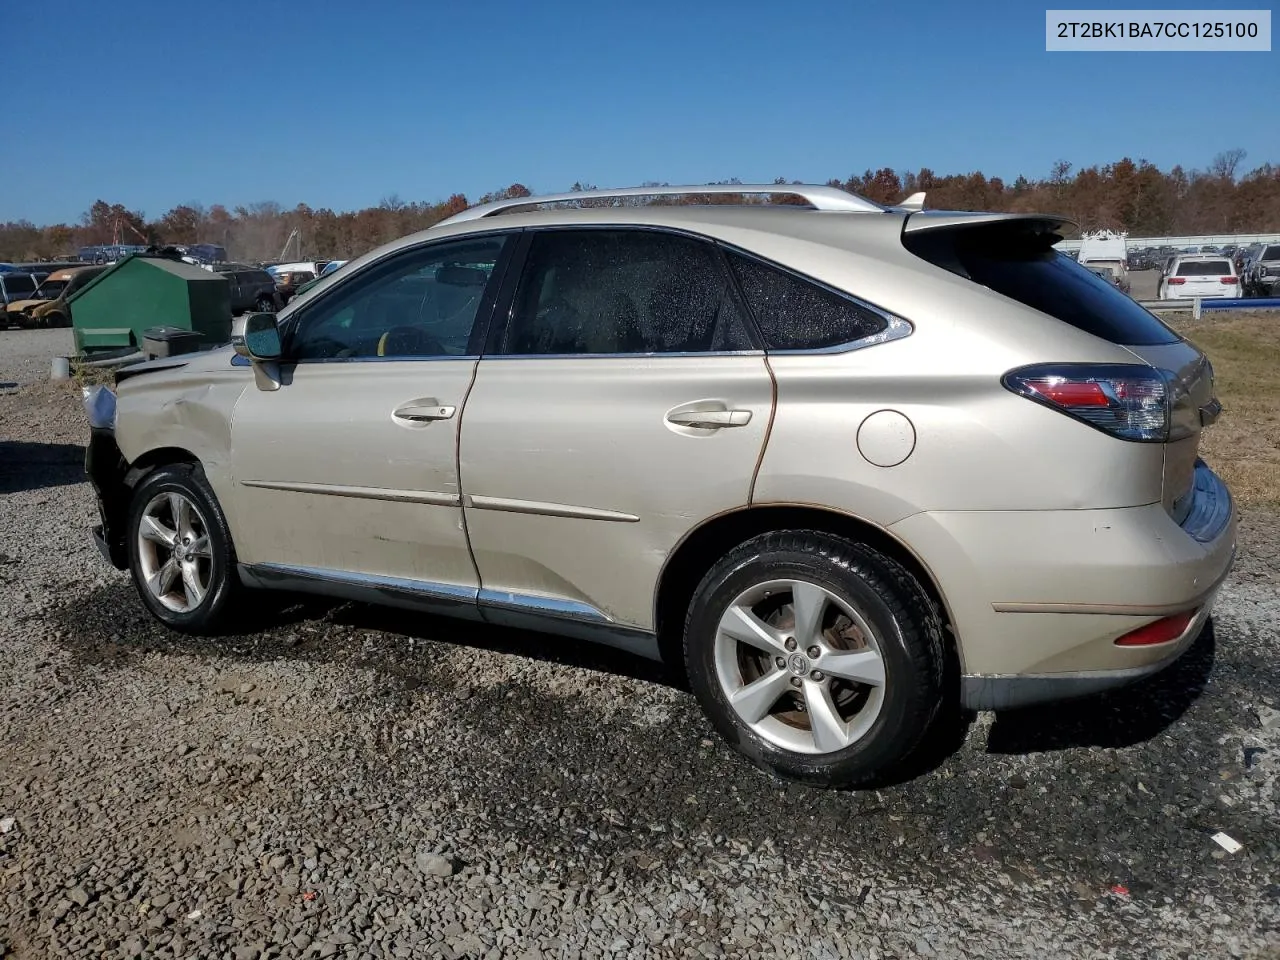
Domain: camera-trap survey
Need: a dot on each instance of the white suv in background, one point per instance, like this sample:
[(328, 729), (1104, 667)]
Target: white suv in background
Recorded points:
[(1200, 275)]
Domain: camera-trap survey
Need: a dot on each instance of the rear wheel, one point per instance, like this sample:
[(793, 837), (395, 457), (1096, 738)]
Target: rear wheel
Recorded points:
[(56, 320), (180, 551), (817, 658), (265, 305)]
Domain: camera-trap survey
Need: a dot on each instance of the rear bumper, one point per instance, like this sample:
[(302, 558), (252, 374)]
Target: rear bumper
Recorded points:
[(987, 692), (1038, 598)]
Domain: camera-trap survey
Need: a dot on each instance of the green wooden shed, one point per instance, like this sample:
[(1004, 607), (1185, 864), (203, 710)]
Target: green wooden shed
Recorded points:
[(139, 292)]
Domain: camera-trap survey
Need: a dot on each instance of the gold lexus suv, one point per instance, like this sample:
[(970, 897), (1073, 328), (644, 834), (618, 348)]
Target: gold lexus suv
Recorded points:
[(842, 463)]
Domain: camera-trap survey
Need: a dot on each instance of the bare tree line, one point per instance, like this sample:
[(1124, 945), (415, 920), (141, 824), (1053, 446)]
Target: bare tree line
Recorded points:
[(1134, 196)]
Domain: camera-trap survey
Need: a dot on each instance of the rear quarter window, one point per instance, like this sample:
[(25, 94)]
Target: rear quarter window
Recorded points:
[(793, 313), (1023, 266)]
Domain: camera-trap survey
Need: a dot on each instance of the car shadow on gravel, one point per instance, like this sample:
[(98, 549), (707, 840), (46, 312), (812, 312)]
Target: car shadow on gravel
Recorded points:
[(34, 466), (109, 626), (1119, 718)]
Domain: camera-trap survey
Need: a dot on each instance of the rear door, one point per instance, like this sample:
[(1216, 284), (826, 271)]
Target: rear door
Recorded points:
[(622, 404)]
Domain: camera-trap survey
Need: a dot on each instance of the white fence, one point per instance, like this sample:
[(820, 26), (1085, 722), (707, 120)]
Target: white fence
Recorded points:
[(1216, 240)]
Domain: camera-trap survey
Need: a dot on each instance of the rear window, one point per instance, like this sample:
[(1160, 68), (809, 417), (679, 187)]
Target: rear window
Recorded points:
[(1021, 264), (1205, 268), (1271, 253), (796, 314)]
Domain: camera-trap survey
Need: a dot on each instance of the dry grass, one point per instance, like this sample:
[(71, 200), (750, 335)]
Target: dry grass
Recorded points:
[(1244, 445)]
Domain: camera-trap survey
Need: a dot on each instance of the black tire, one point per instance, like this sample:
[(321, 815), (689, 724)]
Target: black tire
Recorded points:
[(265, 305), (907, 630), (223, 587)]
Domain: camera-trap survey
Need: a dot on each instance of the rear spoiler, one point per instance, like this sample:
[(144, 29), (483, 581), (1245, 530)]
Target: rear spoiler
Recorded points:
[(949, 220), (939, 236)]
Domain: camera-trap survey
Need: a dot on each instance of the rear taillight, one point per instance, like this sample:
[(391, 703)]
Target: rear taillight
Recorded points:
[(1177, 280), (1160, 631), (1129, 401), (1228, 280)]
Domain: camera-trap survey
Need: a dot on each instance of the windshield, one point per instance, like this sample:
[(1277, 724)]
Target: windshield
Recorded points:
[(50, 289), (16, 283)]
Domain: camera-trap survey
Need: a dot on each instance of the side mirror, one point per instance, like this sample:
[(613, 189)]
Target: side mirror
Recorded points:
[(259, 340)]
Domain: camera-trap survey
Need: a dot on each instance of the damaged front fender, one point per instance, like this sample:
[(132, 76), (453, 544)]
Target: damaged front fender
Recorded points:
[(107, 469)]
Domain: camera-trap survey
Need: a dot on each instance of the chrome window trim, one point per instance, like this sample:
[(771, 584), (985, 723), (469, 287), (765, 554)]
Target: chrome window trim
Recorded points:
[(489, 357), (897, 329), (239, 361)]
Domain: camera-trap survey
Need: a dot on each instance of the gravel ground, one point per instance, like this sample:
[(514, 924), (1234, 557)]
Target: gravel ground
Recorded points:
[(350, 782)]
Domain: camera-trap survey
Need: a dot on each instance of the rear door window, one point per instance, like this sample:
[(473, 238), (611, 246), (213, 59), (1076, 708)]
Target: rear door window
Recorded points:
[(603, 292), (1024, 266), (1205, 268)]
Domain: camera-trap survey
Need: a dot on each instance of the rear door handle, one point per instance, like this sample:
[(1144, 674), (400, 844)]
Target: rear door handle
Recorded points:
[(424, 411), (710, 419)]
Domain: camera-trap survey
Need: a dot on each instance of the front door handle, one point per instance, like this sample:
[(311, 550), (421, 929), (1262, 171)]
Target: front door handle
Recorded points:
[(424, 411), (710, 419)]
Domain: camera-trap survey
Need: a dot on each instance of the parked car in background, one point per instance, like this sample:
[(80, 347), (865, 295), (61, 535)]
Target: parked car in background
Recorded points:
[(290, 276), (1108, 274), (57, 312), (1108, 249), (333, 266), (1241, 259), (252, 288), (1116, 273), (16, 287), (1263, 276), (1199, 275), (48, 289), (843, 466)]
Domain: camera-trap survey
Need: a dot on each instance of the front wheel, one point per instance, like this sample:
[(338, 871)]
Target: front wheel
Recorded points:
[(180, 551), (266, 305), (815, 657)]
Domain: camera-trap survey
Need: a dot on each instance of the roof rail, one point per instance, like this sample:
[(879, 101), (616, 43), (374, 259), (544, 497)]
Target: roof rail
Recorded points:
[(820, 197)]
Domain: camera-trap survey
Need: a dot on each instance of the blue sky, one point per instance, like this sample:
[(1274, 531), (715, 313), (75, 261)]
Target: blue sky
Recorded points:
[(339, 104)]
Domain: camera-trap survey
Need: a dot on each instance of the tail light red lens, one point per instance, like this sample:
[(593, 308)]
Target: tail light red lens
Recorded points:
[(1129, 401), (1228, 279), (1175, 281), (1161, 631)]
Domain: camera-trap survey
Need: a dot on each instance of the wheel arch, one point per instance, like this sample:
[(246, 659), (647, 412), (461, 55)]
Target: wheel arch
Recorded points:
[(703, 546), (115, 479)]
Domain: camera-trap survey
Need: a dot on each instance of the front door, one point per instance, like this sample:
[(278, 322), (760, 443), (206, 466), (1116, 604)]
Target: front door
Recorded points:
[(622, 405), (349, 469)]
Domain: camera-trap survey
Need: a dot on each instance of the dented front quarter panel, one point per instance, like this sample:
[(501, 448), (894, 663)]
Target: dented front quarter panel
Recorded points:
[(185, 407)]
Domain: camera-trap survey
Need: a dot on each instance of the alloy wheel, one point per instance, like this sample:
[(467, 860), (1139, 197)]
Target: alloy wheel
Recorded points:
[(174, 551), (800, 666)]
